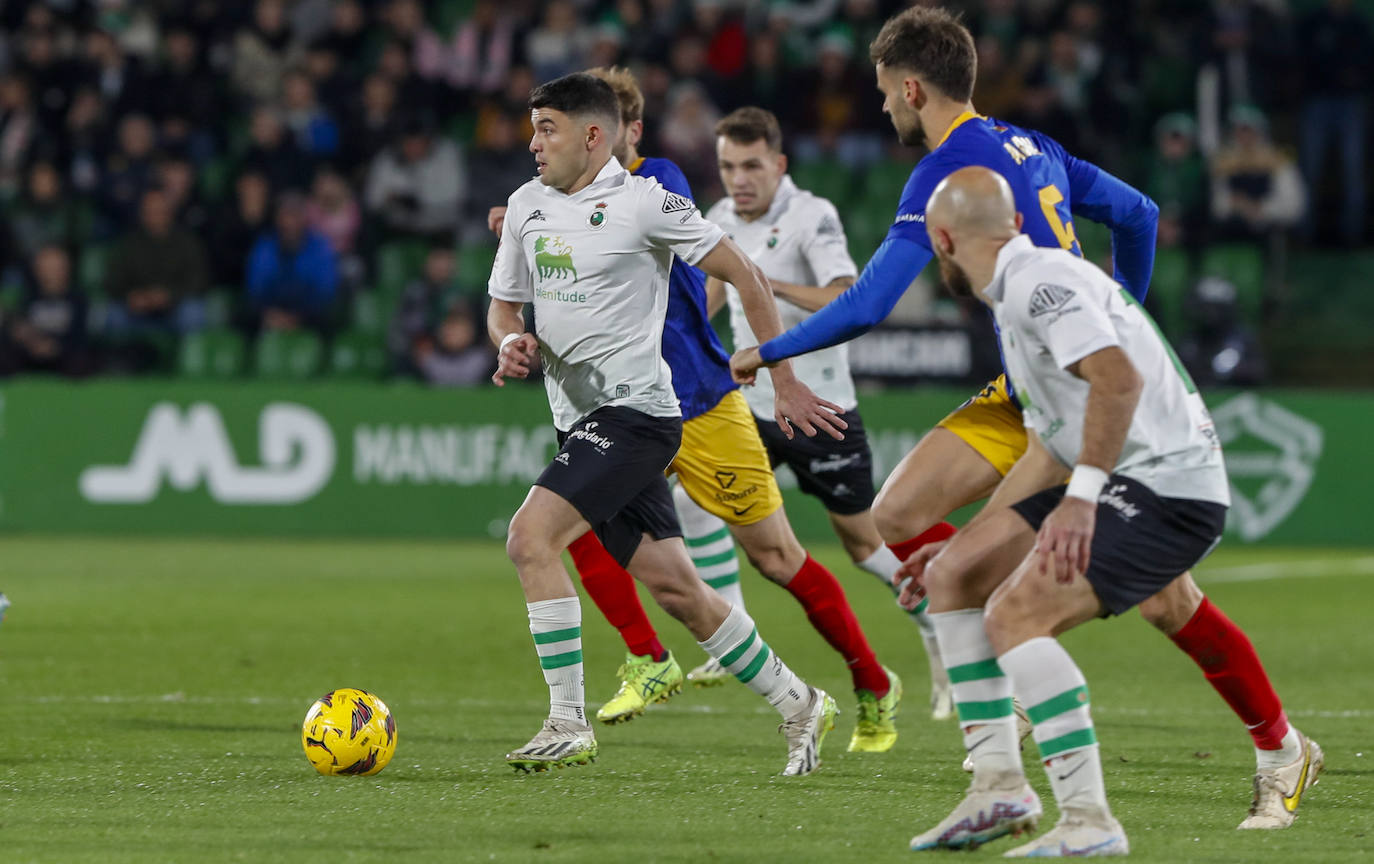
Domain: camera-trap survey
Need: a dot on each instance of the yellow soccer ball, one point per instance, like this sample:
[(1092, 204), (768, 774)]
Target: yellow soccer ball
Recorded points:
[(349, 731)]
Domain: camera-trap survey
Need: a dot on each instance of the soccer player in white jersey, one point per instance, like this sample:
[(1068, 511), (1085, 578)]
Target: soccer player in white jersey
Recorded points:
[(798, 240), (1104, 394), (590, 246)]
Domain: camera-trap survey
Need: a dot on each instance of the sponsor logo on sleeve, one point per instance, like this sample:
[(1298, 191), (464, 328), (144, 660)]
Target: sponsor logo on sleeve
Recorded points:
[(1047, 298), (675, 203), (910, 217)]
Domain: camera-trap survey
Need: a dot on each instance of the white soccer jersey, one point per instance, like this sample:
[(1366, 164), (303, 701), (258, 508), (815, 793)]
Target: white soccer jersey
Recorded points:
[(595, 265), (799, 240), (1054, 309)]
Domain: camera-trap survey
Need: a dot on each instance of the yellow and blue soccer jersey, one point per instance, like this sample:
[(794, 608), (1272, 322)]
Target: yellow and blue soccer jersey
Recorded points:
[(701, 368), (1050, 186)]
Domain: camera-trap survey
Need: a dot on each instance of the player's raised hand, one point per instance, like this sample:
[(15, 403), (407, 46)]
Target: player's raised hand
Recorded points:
[(744, 365), (516, 358), (496, 217), (1066, 538), (793, 401), (910, 578)]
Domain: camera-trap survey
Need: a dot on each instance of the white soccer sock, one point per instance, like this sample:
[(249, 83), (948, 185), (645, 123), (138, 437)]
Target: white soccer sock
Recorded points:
[(711, 547), (883, 564), (1270, 760), (557, 629), (736, 644), (982, 694), (1052, 688)]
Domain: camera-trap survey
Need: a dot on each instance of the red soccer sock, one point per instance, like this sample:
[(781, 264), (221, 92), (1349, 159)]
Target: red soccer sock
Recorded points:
[(904, 549), (820, 594), (613, 591), (1232, 667)]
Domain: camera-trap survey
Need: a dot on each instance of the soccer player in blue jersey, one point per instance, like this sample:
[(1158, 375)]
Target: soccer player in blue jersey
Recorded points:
[(724, 468), (926, 65)]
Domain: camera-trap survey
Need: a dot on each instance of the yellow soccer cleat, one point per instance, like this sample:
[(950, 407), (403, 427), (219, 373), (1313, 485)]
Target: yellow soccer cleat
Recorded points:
[(643, 682), (876, 730)]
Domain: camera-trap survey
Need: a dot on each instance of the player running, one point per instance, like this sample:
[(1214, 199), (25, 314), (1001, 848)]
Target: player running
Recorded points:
[(926, 64), (591, 246), (724, 468), (1104, 394), (798, 240)]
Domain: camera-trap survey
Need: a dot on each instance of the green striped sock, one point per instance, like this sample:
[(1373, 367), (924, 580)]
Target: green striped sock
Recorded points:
[(717, 564), (556, 626), (744, 654), (982, 694), (1052, 688)]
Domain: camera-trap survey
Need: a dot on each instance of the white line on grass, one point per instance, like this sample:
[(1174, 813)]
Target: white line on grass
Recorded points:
[(1289, 569)]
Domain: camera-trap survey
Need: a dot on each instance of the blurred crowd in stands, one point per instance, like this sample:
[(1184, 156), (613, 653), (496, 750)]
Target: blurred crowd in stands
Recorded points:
[(299, 187)]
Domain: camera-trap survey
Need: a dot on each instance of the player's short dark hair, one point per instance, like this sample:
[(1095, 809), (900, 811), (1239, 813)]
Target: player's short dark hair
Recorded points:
[(749, 124), (579, 95), (933, 44)]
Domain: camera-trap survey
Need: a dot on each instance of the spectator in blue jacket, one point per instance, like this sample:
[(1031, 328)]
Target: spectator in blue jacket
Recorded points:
[(293, 273)]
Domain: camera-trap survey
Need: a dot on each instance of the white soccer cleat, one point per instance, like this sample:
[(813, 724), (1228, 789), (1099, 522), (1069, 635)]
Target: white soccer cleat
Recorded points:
[(1023, 730), (996, 805), (560, 743), (1079, 834), (1278, 792), (708, 674), (806, 732)]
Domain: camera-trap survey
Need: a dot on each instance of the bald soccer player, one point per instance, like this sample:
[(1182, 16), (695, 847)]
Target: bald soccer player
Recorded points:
[(1105, 396)]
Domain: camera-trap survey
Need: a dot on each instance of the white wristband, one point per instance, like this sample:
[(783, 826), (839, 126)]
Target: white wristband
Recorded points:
[(510, 337), (1086, 482)]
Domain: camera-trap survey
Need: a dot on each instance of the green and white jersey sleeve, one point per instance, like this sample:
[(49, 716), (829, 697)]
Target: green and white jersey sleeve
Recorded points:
[(799, 240), (595, 265), (1053, 310)]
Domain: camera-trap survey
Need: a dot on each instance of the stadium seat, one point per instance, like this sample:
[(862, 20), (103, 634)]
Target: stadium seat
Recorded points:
[(828, 179), (214, 354), (474, 267), (883, 184), (357, 354), (366, 314), (1243, 266), (1168, 293), (397, 263), (291, 355), (90, 269)]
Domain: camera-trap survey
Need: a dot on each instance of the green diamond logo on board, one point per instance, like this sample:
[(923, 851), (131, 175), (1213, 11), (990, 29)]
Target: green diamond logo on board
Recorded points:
[(1271, 459), (553, 259)]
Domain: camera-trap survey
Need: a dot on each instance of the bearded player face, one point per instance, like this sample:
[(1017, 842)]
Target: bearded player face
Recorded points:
[(905, 119)]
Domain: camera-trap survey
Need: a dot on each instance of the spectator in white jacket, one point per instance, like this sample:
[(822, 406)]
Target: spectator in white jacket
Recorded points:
[(416, 185), (1256, 188)]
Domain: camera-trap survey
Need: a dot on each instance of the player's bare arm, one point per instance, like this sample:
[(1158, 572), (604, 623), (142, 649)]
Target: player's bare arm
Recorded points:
[(811, 297), (1114, 388), (795, 403), (518, 351)]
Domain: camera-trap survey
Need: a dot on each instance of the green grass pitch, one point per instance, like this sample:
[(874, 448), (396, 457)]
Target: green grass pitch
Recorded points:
[(151, 694)]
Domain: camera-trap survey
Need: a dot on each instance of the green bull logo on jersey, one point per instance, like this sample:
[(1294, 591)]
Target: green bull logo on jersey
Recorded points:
[(553, 259)]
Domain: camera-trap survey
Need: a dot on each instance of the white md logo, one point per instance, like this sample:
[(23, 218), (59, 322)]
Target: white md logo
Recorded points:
[(295, 446), (1280, 459)]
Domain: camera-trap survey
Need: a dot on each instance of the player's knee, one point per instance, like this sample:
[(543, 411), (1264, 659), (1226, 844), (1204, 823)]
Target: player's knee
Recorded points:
[(898, 520), (525, 545), (943, 582)]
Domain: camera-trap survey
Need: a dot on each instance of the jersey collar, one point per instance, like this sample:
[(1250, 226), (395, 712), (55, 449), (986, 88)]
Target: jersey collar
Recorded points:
[(1013, 248), (635, 165), (605, 177), (786, 189), (958, 121)]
